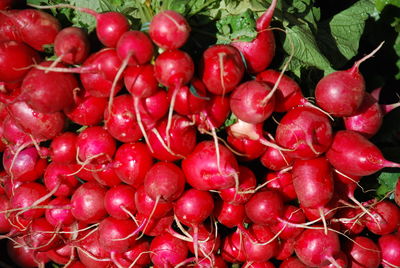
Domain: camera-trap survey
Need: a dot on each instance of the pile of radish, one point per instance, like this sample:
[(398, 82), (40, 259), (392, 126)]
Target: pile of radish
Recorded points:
[(121, 156)]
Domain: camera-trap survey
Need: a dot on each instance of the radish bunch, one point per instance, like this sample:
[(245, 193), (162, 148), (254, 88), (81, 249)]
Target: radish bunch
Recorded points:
[(123, 157)]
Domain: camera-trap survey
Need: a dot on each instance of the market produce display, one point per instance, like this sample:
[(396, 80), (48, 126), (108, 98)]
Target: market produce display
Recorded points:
[(199, 133)]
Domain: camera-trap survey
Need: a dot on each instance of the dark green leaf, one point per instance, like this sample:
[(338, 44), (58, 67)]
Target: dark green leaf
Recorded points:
[(387, 182), (240, 27), (380, 4), (231, 120), (85, 20)]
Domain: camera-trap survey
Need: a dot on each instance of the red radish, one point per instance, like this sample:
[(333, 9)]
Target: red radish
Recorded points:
[(363, 252), (137, 254), (63, 148), (251, 101), (148, 207), (58, 176), (283, 183), (214, 261), (341, 260), (341, 93), (169, 29), (5, 225), (131, 163), (59, 212), (37, 28), (209, 240), (324, 212), (275, 159), (291, 214), (367, 119), (156, 226), (109, 25), (384, 218), (119, 201), (221, 69), (61, 255), (15, 60), (214, 170), (140, 81), (87, 110), (247, 184), (91, 253), (24, 165), (167, 146), (122, 123), (260, 244), (259, 52), (153, 108), (41, 126), (251, 264), (305, 131), (313, 182), (286, 249), (315, 248), (265, 207), (114, 234), (9, 28), (245, 148), (168, 250), (350, 220), (397, 192), (228, 214), (292, 262), (232, 249), (24, 256), (164, 181), (71, 45), (87, 203), (352, 154), (95, 145), (42, 236), (390, 247), (13, 135), (213, 115), (6, 4), (135, 46)]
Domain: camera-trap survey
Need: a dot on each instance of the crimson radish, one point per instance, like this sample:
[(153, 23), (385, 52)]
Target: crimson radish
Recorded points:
[(119, 201), (281, 182), (275, 159), (59, 212), (265, 207), (390, 247), (136, 47), (228, 214), (363, 252), (63, 148), (384, 218), (113, 234), (71, 45), (168, 250)]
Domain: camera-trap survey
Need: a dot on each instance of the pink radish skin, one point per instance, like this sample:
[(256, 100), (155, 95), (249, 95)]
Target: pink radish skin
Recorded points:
[(147, 206), (140, 81), (57, 176), (352, 154), (164, 181), (131, 163), (291, 214), (121, 122), (259, 52), (91, 253), (5, 225), (232, 249), (248, 103), (15, 59), (313, 182), (221, 69), (275, 159), (120, 199), (113, 234), (209, 174), (135, 254), (363, 252), (25, 256), (59, 214), (265, 264), (288, 94), (60, 255), (292, 262), (386, 218), (368, 118), (265, 207), (63, 148), (135, 46), (169, 29), (283, 183), (156, 226), (247, 148), (286, 249), (341, 260), (213, 115), (9, 28), (254, 239), (390, 247), (168, 251), (105, 174), (42, 236), (72, 45), (87, 203), (13, 135), (348, 221), (208, 243), (228, 214), (153, 108), (305, 131), (314, 248)]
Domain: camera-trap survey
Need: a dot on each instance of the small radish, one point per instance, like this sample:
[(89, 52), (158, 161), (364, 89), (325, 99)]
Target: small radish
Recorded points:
[(59, 212), (63, 148), (8, 27), (153, 108), (71, 45), (291, 214), (350, 220), (138, 254), (292, 262), (363, 252), (265, 207), (136, 47), (109, 25), (209, 240), (57, 177), (384, 218), (228, 214), (245, 148), (250, 102), (260, 244), (214, 170), (23, 256), (305, 131), (390, 247), (221, 69), (119, 201), (232, 249), (156, 226), (5, 224), (168, 250), (169, 29), (42, 236), (281, 182), (91, 253), (341, 93), (259, 52), (275, 159), (352, 154), (149, 208), (113, 234)]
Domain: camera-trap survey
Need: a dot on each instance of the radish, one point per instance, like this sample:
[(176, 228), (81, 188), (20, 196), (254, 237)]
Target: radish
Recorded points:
[(221, 69), (131, 163), (259, 52), (265, 207), (281, 182), (245, 148), (48, 92), (285, 249), (156, 226), (135, 46), (169, 29), (232, 249), (397, 193), (209, 240), (292, 262), (87, 203), (91, 253), (42, 236), (384, 218), (228, 214), (59, 212), (8, 27), (367, 119), (109, 25), (119, 201), (260, 244), (137, 254), (24, 256), (275, 159), (363, 252), (71, 45), (149, 208), (63, 148), (214, 170), (291, 214), (5, 225), (352, 154), (390, 247), (15, 60), (251, 102), (168, 251), (153, 108), (113, 234), (350, 220), (56, 177), (305, 131), (315, 248), (265, 264), (341, 93), (213, 115)]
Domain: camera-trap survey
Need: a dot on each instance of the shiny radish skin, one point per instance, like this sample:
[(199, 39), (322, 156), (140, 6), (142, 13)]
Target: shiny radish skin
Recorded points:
[(352, 154), (140, 81), (390, 247), (135, 46), (113, 234), (118, 200), (168, 250), (72, 45), (386, 218), (363, 252), (265, 207), (63, 148), (169, 30)]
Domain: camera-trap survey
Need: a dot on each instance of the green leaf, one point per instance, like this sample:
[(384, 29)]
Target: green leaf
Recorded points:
[(230, 121), (387, 182), (380, 4), (85, 20), (240, 27)]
